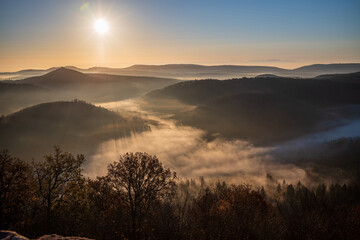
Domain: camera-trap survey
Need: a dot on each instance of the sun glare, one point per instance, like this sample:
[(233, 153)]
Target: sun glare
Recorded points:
[(101, 26)]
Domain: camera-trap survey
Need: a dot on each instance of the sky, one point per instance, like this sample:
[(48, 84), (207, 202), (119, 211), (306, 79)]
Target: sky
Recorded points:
[(284, 33)]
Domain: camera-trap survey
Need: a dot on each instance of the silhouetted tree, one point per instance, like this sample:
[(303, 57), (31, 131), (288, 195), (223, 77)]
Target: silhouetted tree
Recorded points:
[(318, 213), (103, 213), (15, 190), (144, 181), (234, 212), (54, 176)]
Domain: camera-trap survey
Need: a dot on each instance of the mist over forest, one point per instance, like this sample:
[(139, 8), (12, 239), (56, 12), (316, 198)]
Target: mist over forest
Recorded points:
[(242, 129), (266, 137)]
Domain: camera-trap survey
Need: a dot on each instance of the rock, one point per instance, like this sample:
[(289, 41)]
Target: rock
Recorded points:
[(58, 237), (9, 235)]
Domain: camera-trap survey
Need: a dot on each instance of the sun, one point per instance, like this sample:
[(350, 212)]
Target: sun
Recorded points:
[(101, 26)]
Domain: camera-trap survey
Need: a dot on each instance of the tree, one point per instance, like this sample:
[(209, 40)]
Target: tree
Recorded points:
[(15, 189), (142, 180), (54, 176), (107, 218), (233, 212)]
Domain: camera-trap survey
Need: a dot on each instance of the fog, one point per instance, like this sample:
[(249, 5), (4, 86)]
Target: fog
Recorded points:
[(188, 151), (311, 145)]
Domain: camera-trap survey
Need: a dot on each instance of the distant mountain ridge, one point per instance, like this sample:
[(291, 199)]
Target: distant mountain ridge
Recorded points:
[(97, 87), (348, 78), (58, 78), (188, 71), (319, 92), (68, 84), (330, 67), (64, 77)]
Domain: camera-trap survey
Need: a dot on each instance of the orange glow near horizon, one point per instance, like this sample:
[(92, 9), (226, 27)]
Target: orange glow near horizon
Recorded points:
[(47, 64), (136, 34), (102, 56)]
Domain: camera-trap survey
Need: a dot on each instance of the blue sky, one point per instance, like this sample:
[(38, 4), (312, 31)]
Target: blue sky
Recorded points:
[(282, 33)]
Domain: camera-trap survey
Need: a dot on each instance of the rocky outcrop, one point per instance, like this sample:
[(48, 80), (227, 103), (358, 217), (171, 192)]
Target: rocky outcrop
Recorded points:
[(9, 235), (58, 237)]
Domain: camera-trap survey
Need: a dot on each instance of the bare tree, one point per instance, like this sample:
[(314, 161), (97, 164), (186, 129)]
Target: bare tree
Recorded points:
[(142, 180), (53, 175)]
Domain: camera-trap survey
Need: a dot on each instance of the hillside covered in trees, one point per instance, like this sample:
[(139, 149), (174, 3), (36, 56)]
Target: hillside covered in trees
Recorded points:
[(262, 110), (76, 125)]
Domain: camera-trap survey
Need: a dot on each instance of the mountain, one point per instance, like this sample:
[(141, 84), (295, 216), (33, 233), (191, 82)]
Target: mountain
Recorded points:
[(328, 68), (191, 71), (67, 84), (261, 110), (345, 78), (199, 71), (268, 76), (256, 117), (76, 126), (24, 73), (320, 93), (14, 96), (59, 78), (97, 87), (194, 71)]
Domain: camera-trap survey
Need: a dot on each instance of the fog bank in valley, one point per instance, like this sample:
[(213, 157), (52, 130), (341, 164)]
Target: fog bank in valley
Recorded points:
[(191, 154)]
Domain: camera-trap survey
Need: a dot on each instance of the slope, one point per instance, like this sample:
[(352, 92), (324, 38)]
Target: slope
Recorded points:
[(262, 110), (14, 96), (76, 126), (97, 87)]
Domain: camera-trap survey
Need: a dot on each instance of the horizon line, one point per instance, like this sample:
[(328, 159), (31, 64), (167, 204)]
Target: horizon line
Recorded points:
[(166, 64)]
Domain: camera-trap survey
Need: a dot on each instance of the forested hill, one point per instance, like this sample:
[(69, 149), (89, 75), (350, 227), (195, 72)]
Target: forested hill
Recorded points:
[(324, 92), (261, 109), (345, 78), (77, 125), (76, 114)]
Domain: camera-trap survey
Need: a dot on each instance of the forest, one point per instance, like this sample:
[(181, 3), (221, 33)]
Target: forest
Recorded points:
[(139, 198)]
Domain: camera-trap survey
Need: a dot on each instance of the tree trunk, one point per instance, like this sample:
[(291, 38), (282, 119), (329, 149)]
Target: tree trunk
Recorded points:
[(48, 216), (133, 228), (2, 225)]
